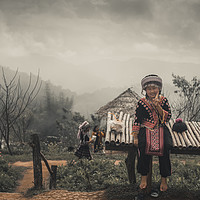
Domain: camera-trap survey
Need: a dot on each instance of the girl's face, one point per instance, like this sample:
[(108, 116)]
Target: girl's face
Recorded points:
[(152, 91)]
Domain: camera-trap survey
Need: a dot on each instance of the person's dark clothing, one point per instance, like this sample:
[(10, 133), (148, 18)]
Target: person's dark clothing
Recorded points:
[(146, 117), (83, 149)]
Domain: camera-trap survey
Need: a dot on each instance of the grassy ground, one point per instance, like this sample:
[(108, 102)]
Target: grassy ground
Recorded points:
[(102, 174)]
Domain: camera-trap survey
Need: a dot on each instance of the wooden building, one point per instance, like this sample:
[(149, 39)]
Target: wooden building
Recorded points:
[(126, 102)]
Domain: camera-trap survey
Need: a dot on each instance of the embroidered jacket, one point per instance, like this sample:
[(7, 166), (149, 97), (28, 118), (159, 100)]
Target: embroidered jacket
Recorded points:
[(99, 135), (146, 115)]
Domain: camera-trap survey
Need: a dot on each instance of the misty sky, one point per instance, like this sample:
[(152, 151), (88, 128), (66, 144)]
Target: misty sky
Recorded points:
[(79, 43)]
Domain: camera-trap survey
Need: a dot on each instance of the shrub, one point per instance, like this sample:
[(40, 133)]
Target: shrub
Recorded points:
[(8, 176), (185, 177), (98, 174)]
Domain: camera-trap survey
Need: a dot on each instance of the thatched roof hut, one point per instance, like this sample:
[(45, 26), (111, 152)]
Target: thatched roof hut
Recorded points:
[(125, 102)]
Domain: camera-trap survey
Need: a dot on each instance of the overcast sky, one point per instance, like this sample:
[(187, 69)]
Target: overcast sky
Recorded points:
[(75, 42)]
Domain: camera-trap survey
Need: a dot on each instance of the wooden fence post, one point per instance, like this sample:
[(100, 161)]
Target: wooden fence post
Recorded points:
[(37, 165), (52, 184), (130, 164)]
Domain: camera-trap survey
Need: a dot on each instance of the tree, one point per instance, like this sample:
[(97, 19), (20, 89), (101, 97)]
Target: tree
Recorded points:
[(52, 107), (189, 92), (14, 101), (20, 128), (68, 127), (49, 99)]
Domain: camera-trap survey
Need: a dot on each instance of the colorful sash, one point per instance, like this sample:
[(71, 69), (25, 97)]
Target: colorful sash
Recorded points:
[(155, 141)]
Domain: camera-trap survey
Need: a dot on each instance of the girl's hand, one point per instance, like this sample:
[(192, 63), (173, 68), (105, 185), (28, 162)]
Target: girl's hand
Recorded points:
[(88, 142), (156, 101)]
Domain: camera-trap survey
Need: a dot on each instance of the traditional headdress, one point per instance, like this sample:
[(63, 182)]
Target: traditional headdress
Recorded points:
[(151, 80)]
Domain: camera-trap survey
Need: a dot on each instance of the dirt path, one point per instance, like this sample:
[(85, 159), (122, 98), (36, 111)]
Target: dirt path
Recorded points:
[(56, 195), (27, 182)]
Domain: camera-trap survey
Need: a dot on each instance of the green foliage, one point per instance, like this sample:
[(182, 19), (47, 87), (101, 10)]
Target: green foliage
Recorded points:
[(3, 165), (20, 148), (101, 173), (53, 148), (95, 120), (15, 158), (54, 117), (185, 87), (7, 183), (97, 174), (188, 106), (8, 176), (50, 110), (185, 177), (68, 127)]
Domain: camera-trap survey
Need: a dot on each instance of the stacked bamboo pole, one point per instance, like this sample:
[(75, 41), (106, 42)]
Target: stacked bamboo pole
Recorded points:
[(187, 139), (127, 129), (107, 139), (130, 130), (190, 135)]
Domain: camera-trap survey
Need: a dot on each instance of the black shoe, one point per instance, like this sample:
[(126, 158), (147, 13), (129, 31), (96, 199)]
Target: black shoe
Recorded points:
[(155, 193)]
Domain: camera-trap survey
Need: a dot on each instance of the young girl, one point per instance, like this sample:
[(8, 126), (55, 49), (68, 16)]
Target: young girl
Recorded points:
[(98, 144), (150, 132), (83, 135)]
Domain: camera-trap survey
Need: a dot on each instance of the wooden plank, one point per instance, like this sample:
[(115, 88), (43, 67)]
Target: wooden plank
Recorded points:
[(190, 139), (114, 147), (120, 116), (118, 137), (186, 151), (112, 136), (125, 148), (123, 129), (130, 165), (187, 141), (127, 129), (197, 127), (112, 133), (171, 122), (195, 130), (107, 139), (46, 163), (182, 140), (179, 144), (191, 136), (52, 184), (130, 130)]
